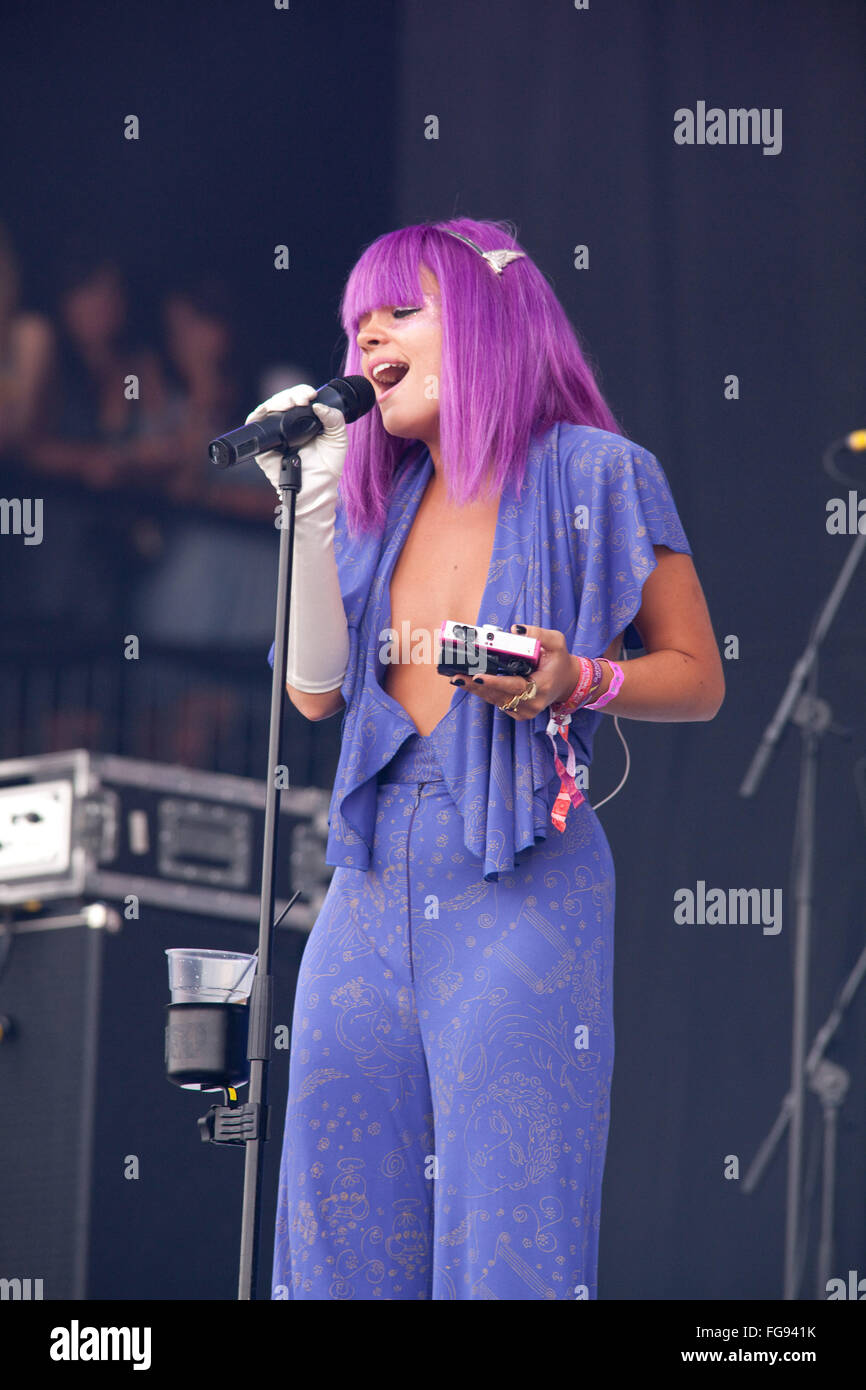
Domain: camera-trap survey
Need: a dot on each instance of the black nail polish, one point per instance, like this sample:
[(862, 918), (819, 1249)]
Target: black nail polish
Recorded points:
[(458, 681), (518, 627), (477, 680)]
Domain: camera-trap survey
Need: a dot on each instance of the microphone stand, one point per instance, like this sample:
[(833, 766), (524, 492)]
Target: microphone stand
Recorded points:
[(813, 716), (250, 1122)]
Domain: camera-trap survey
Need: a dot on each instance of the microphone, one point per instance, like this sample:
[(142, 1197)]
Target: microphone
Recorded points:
[(353, 396)]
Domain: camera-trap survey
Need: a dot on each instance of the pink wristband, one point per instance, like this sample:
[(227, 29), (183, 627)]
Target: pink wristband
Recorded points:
[(613, 688), (581, 690), (590, 679)]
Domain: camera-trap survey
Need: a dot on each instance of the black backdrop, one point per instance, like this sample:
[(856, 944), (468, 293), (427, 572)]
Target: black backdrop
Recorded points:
[(307, 126)]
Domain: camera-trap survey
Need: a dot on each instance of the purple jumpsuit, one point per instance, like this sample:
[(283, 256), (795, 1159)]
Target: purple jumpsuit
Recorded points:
[(452, 1044)]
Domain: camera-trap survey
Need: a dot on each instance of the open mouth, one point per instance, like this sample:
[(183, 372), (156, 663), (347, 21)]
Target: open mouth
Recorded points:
[(388, 377)]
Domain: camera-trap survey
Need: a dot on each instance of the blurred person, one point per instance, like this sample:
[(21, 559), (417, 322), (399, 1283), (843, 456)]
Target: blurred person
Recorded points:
[(26, 354), (204, 386), (75, 581), (207, 574), (93, 431)]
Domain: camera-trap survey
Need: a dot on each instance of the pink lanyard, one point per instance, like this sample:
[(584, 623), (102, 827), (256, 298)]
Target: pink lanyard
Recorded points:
[(569, 793)]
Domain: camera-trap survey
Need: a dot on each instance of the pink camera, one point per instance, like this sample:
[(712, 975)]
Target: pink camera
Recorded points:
[(469, 650)]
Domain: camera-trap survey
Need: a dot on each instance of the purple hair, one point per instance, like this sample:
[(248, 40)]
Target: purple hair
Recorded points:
[(511, 359)]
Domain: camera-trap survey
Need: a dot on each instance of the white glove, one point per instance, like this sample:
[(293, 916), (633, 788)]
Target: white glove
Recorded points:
[(318, 652), (323, 456)]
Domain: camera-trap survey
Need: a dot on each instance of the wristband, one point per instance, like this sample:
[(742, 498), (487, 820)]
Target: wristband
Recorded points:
[(590, 678), (597, 680), (613, 688)]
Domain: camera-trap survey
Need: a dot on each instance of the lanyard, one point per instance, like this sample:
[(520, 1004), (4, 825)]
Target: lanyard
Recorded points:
[(569, 793)]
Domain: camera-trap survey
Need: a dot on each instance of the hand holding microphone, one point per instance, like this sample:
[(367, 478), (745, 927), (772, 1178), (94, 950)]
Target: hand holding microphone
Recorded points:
[(292, 420), (318, 645), (324, 454), (303, 417)]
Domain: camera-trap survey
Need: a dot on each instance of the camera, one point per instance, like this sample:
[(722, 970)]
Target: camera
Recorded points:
[(468, 650)]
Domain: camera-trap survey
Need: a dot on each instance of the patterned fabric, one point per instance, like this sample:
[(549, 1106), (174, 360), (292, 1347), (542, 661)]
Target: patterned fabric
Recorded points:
[(452, 1044), (452, 1051), (571, 554)]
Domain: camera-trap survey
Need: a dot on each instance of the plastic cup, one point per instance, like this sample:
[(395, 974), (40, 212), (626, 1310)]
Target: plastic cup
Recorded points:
[(209, 977)]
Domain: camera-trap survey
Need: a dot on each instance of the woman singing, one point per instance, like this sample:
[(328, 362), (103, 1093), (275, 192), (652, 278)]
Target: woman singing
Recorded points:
[(452, 1045)]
